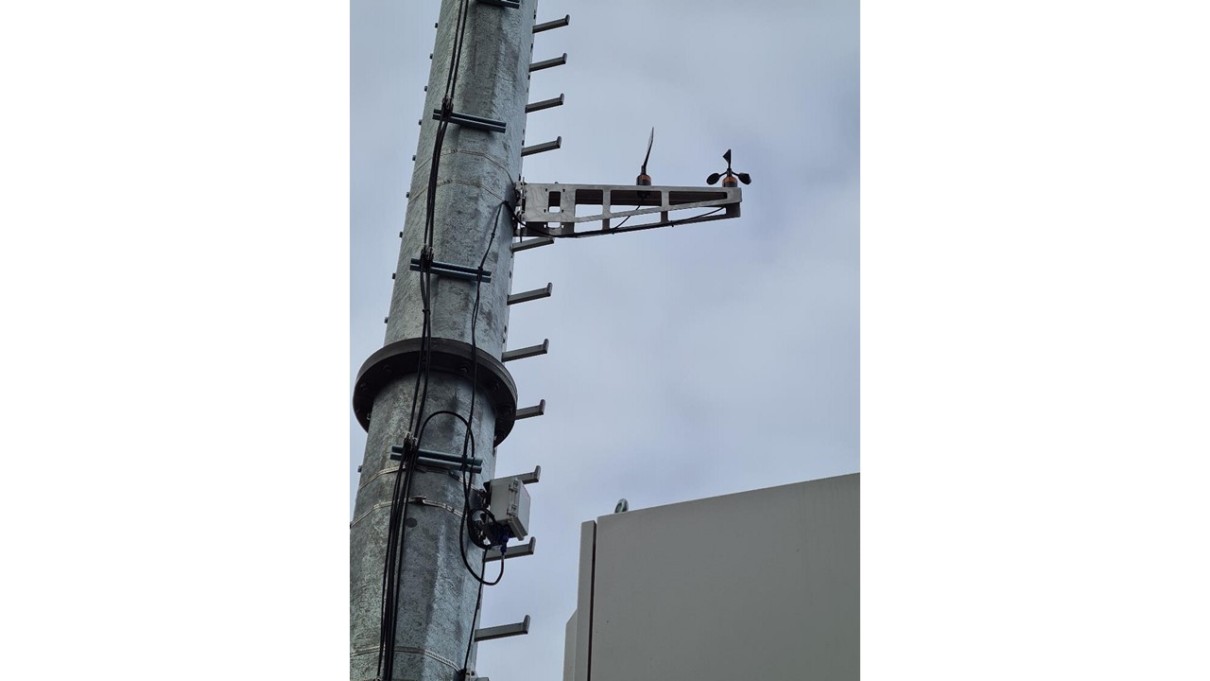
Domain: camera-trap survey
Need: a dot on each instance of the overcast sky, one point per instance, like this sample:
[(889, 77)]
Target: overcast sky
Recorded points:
[(1034, 247), (684, 362)]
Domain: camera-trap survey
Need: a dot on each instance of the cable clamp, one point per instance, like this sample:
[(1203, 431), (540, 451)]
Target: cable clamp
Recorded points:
[(468, 121), (451, 270), (424, 457), (425, 262), (408, 450)]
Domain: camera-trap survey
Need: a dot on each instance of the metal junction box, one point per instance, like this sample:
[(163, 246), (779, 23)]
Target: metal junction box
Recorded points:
[(509, 504)]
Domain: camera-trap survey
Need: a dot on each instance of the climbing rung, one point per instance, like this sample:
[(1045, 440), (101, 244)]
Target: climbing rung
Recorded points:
[(530, 243), (548, 63), (502, 631), (507, 4), (530, 478), (522, 353), (557, 23), (545, 146), (513, 551), (529, 412), (544, 104), (526, 296)]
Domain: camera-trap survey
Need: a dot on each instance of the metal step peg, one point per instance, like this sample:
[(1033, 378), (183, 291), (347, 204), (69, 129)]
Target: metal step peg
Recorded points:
[(548, 25), (528, 243), (528, 351), (544, 104), (530, 412), (548, 63), (513, 551), (545, 146), (526, 296), (503, 631)]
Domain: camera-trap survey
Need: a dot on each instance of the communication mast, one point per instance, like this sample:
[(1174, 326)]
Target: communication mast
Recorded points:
[(432, 523)]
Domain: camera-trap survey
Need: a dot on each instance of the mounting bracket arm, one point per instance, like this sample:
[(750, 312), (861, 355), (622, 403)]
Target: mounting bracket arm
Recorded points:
[(550, 210)]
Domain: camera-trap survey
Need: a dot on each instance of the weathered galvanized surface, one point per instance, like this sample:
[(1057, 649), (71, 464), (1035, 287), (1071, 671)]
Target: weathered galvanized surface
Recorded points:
[(477, 172)]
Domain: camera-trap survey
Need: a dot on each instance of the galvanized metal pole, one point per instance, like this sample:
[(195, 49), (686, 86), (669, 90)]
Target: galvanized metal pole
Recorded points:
[(477, 171)]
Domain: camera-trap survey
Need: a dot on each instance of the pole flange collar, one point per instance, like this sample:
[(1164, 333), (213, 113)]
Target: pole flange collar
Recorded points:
[(402, 358)]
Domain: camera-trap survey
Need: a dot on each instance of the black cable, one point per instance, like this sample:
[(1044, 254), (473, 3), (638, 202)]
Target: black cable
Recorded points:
[(392, 568), (445, 412), (468, 478), (430, 211), (401, 490), (395, 545), (451, 78), (470, 640), (466, 561), (695, 217), (619, 225), (475, 318), (531, 229), (466, 496), (426, 256)]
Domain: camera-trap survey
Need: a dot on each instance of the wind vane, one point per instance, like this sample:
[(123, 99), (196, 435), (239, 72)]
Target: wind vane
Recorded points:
[(644, 179)]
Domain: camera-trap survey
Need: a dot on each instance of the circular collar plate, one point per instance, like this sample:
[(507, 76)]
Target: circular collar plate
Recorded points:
[(402, 358)]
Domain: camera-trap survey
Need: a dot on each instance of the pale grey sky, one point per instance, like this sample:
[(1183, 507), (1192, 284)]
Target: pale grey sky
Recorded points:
[(1034, 255), (684, 362)]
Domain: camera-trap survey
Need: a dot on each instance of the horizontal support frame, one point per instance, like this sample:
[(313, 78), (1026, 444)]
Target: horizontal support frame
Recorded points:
[(538, 200)]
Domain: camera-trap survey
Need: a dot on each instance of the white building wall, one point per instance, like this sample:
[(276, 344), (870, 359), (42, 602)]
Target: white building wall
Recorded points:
[(757, 585)]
